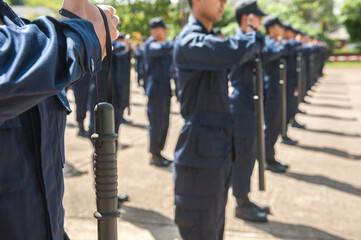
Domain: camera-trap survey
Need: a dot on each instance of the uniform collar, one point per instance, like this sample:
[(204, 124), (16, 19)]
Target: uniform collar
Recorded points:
[(194, 21), (240, 32)]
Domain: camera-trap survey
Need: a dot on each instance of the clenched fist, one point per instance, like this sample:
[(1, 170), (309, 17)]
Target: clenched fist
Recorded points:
[(88, 11)]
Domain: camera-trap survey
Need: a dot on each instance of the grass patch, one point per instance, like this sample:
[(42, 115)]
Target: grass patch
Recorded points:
[(343, 64)]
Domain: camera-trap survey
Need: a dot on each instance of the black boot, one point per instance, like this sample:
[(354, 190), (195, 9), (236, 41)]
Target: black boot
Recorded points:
[(159, 161), (275, 166), (297, 124), (288, 141), (82, 132), (249, 211)]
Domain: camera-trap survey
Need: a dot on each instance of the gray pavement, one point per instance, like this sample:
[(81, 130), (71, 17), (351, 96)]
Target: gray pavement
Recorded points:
[(319, 198)]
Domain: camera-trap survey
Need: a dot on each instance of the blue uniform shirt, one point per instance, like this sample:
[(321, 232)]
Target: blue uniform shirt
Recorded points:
[(291, 58), (37, 61), (272, 53), (242, 102), (157, 61), (201, 59)]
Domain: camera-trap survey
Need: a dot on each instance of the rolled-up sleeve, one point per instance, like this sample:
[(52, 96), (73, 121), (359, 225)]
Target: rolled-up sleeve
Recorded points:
[(40, 59)]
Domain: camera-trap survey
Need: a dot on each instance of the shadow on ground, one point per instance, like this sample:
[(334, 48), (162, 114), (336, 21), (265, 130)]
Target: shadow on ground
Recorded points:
[(325, 181), (70, 171), (140, 126), (326, 105), (291, 231), (137, 104), (331, 117), (153, 221), (331, 92), (331, 98), (331, 151), (342, 134)]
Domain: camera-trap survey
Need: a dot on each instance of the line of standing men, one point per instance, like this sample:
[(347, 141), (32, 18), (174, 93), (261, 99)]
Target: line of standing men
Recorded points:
[(217, 145)]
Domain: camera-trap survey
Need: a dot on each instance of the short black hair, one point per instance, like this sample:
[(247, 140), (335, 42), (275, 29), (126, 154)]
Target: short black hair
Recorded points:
[(190, 3)]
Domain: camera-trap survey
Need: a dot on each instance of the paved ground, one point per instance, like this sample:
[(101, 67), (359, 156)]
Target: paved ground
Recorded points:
[(319, 198)]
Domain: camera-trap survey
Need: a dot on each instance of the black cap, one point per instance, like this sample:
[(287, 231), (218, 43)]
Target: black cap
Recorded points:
[(248, 7), (297, 31), (121, 35), (157, 22), (272, 20), (287, 26)]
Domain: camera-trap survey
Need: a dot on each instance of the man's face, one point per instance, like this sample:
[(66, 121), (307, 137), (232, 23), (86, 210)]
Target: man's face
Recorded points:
[(159, 34), (279, 30), (257, 22), (212, 10), (288, 34)]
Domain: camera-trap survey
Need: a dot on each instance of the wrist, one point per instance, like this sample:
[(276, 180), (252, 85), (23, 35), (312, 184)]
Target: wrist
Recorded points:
[(78, 7)]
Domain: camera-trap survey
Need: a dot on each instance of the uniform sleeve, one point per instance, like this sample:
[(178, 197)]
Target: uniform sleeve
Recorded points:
[(40, 59), (291, 47), (120, 51), (272, 52), (157, 49), (205, 52)]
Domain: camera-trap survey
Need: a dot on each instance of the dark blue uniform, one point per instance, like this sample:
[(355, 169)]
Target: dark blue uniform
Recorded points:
[(306, 51), (272, 54), (81, 94), (203, 155), (291, 60), (157, 62), (244, 124), (139, 66), (118, 101), (121, 77), (37, 61)]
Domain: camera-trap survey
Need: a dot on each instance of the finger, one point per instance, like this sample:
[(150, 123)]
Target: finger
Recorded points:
[(109, 10), (115, 20)]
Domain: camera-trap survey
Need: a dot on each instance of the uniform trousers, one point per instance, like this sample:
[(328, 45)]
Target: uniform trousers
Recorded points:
[(158, 111), (200, 199), (244, 159)]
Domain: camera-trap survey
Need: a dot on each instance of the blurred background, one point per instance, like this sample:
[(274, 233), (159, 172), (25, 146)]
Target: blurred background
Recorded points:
[(338, 22)]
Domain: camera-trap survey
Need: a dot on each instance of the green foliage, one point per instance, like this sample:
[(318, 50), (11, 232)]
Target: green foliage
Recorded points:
[(305, 14), (136, 14), (16, 2), (350, 12), (343, 64)]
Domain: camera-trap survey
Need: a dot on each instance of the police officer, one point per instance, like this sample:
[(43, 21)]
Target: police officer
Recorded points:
[(157, 62), (203, 155), (244, 119), (273, 51), (81, 93), (139, 65), (38, 60), (290, 56), (121, 65)]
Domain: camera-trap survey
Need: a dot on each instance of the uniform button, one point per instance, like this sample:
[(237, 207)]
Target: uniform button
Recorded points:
[(92, 65)]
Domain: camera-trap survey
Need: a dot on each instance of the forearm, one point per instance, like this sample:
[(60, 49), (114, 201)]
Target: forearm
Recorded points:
[(42, 58)]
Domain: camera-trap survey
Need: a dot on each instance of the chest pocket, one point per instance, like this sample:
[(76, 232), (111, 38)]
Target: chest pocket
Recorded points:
[(214, 135)]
